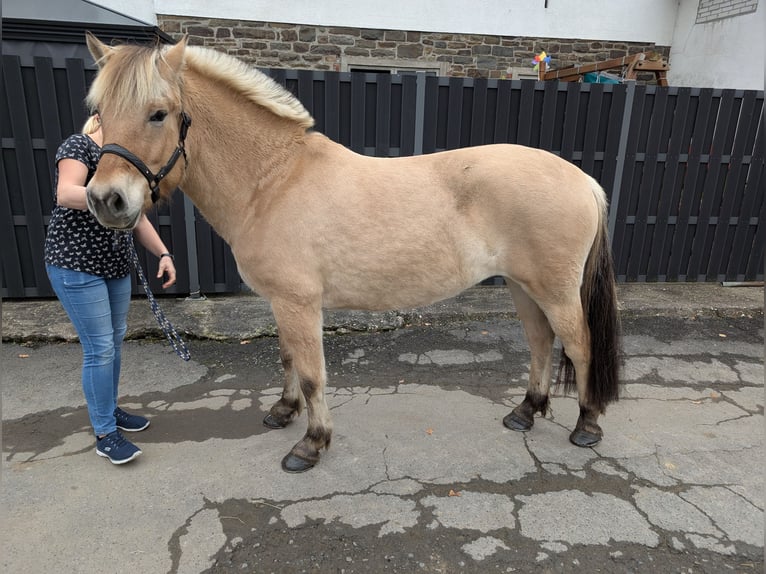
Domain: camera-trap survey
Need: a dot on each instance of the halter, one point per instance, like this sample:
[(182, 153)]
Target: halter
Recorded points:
[(154, 180)]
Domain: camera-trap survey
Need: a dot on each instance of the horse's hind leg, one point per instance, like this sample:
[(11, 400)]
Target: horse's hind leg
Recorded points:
[(569, 323), (300, 338), (540, 338)]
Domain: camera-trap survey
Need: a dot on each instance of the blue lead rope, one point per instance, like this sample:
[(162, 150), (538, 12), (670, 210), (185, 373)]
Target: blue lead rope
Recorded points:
[(167, 327)]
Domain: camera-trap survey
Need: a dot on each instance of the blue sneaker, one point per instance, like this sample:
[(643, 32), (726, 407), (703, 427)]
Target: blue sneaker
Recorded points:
[(129, 422), (116, 448)]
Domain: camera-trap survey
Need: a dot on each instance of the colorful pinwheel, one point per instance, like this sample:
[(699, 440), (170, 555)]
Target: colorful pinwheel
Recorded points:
[(541, 57)]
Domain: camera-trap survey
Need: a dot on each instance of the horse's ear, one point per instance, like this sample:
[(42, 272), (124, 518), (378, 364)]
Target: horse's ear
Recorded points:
[(175, 54), (98, 49)]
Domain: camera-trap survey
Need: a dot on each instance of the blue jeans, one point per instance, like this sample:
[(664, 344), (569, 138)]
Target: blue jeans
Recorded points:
[(98, 308)]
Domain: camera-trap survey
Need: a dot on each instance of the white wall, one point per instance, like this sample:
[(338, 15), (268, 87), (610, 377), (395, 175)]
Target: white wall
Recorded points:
[(725, 54), (648, 20)]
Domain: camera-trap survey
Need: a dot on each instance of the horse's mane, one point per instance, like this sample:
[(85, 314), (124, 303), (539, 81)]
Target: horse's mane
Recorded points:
[(132, 77)]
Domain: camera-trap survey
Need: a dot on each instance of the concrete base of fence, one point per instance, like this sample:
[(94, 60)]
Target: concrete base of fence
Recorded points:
[(247, 316)]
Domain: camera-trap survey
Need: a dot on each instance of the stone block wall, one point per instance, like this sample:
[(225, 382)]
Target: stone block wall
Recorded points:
[(276, 45)]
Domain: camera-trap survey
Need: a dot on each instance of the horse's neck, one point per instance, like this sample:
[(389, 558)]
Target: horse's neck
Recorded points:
[(236, 155)]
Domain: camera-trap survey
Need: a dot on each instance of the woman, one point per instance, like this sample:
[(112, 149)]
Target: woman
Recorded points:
[(89, 268)]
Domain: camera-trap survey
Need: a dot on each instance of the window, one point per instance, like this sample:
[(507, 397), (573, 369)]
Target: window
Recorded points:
[(522, 73), (710, 10), (383, 66)]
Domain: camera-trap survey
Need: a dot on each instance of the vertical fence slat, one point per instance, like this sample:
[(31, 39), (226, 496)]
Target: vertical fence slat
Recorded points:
[(548, 118), (592, 124), (753, 195), (571, 119), (46, 90), (732, 191), (430, 114), (14, 252), (629, 142), (649, 190), (615, 145), (478, 111), (34, 227), (12, 276), (503, 111), (755, 263), (409, 115), (306, 89), (204, 248), (678, 265), (331, 83), (670, 191), (700, 246), (358, 84), (382, 116), (524, 125), (454, 112), (77, 89)]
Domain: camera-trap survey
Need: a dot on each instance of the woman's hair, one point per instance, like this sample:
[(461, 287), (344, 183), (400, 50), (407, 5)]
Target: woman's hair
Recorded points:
[(92, 124)]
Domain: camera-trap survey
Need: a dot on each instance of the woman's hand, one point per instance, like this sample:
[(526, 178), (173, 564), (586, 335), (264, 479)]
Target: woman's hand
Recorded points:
[(167, 267), (149, 238)]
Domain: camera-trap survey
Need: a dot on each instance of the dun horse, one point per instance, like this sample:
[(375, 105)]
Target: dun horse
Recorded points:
[(313, 225)]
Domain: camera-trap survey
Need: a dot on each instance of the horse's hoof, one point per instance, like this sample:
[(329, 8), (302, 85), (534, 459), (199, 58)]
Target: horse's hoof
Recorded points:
[(294, 464), (517, 423), (583, 438), (272, 422)]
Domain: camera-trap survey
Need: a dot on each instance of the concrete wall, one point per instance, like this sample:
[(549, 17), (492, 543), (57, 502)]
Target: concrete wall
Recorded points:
[(724, 53)]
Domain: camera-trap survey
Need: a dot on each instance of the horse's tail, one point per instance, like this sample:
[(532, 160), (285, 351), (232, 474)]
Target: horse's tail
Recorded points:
[(599, 300)]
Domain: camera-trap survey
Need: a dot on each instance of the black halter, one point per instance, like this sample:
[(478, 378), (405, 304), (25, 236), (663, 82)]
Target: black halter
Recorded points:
[(154, 180)]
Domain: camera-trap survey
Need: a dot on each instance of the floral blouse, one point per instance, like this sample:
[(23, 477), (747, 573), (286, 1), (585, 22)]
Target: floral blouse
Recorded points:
[(75, 239)]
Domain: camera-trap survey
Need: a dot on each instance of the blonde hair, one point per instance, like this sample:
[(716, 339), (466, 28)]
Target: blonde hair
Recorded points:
[(92, 124)]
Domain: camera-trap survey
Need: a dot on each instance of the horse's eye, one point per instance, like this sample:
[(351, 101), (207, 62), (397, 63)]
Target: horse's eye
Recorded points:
[(158, 116)]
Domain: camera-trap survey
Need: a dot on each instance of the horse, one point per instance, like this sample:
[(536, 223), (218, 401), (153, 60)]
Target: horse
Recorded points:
[(313, 225)]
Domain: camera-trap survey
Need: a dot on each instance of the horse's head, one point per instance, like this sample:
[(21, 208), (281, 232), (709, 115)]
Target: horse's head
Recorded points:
[(138, 95)]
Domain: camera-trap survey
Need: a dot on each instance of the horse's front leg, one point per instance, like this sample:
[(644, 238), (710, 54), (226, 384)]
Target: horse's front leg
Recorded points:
[(300, 339), (290, 405)]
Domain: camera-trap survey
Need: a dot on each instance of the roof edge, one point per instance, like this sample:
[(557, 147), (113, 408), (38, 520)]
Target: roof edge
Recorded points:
[(74, 32)]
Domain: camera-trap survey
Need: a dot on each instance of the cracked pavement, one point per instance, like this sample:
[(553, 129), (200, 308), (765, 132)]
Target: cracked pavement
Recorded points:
[(421, 476)]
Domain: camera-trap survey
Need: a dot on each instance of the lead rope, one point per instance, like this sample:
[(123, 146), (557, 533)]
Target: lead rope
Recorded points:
[(167, 327)]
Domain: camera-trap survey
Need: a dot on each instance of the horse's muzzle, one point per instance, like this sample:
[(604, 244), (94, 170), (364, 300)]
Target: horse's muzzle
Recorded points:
[(112, 209)]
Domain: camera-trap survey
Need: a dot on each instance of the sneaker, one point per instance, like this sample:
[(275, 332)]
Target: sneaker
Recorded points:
[(116, 448), (129, 422)]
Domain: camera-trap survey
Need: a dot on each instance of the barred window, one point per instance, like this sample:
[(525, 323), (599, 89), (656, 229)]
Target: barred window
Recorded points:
[(710, 10)]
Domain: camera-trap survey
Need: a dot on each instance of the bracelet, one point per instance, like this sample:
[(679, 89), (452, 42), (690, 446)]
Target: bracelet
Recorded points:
[(168, 255)]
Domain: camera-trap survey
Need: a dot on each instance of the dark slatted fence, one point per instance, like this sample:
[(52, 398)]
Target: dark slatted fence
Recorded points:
[(683, 167)]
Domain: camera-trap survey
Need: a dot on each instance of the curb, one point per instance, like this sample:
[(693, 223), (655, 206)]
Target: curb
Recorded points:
[(248, 316)]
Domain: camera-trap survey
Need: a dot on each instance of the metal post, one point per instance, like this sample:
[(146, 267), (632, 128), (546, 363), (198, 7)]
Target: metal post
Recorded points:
[(614, 201), (420, 103), (191, 249)]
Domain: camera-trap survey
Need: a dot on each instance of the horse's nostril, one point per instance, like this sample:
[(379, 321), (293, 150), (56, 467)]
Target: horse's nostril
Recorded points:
[(116, 202)]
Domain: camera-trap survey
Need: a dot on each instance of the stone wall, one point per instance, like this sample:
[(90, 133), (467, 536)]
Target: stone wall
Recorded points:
[(274, 45)]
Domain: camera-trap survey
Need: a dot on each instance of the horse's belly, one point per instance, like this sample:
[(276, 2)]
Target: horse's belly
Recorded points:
[(377, 299), (403, 286)]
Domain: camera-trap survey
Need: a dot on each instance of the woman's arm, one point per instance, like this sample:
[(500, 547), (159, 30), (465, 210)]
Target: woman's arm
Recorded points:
[(150, 239), (70, 189)]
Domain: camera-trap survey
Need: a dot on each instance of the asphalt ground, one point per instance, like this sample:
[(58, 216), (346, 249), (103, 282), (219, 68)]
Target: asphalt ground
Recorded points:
[(421, 475)]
